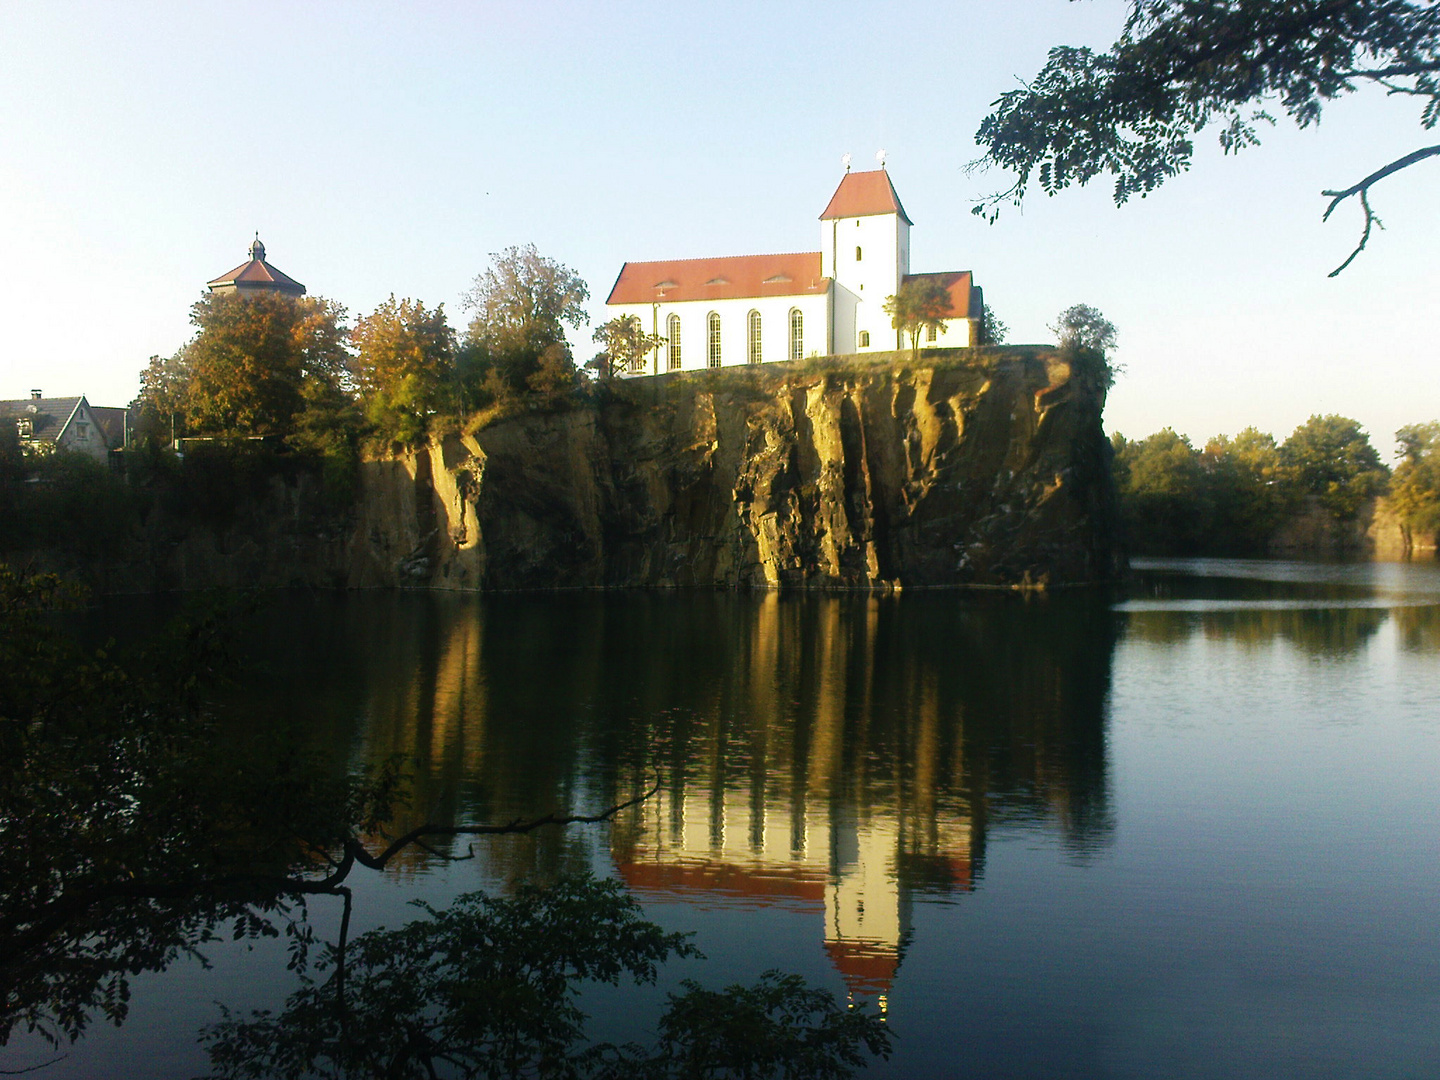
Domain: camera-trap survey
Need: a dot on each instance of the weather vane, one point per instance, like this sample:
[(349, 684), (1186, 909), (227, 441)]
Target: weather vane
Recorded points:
[(880, 157), (845, 160)]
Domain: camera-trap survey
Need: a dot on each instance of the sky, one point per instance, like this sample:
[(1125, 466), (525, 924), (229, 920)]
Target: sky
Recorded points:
[(386, 148)]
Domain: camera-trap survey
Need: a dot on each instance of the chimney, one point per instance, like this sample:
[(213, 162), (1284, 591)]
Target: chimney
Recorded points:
[(34, 395)]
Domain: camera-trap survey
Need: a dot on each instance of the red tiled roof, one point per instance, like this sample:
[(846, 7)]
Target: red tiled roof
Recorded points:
[(864, 194), (959, 284), (868, 967), (729, 278), (725, 884), (256, 272)]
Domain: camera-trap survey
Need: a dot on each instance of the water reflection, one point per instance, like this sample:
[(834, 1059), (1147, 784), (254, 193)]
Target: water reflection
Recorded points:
[(831, 755)]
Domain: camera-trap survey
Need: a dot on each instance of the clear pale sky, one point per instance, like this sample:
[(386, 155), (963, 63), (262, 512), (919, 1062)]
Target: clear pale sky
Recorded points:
[(383, 148)]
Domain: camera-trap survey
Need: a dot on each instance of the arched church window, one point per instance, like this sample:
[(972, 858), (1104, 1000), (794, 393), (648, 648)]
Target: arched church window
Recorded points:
[(753, 354), (713, 326), (864, 339), (857, 252), (672, 327), (797, 334), (931, 332)]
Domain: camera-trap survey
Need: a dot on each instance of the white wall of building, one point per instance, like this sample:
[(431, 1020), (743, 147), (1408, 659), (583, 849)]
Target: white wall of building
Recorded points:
[(734, 328), (869, 256)]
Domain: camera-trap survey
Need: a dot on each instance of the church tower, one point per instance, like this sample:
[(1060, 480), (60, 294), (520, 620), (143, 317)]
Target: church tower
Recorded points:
[(865, 251)]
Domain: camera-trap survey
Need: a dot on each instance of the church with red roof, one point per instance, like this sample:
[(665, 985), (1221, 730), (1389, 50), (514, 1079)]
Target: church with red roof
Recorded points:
[(752, 309)]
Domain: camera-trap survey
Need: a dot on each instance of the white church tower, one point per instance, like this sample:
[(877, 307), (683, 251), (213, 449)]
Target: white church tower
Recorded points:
[(865, 251)]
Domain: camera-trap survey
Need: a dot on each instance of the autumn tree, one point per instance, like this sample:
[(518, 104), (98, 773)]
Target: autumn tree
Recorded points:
[(405, 366), (1180, 67), (1330, 457), (521, 306), (624, 346), (1415, 487), (921, 303), (163, 397), (257, 362)]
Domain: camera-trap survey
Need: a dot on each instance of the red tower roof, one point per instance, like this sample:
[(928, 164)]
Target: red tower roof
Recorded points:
[(865, 194)]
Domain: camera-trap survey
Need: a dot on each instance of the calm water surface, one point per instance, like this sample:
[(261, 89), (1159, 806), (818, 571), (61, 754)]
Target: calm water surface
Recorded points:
[(1188, 830)]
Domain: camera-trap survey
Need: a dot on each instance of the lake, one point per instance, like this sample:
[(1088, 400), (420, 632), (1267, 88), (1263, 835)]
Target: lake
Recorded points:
[(1188, 828)]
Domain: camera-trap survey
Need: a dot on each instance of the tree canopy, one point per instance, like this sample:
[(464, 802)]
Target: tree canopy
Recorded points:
[(1415, 488), (521, 306), (920, 303), (405, 365), (1182, 66), (255, 363), (624, 346)]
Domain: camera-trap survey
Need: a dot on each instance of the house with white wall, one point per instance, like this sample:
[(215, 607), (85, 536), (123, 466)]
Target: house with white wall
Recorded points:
[(753, 309)]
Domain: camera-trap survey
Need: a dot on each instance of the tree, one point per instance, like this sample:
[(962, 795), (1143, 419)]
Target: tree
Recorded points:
[(405, 365), (257, 361), (522, 305), (1165, 505), (1249, 491), (163, 397), (625, 345), (1086, 339), (991, 330), (1181, 66), (1415, 486), (1330, 457), (921, 303)]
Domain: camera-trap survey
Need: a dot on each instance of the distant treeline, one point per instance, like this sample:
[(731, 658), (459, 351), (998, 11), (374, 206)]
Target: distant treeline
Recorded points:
[(1231, 496)]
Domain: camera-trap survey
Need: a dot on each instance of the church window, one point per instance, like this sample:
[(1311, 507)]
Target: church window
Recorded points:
[(713, 359), (797, 334), (754, 350), (931, 333), (857, 252), (672, 325), (864, 339)]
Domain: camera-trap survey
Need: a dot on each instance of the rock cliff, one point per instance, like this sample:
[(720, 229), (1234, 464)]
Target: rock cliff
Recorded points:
[(963, 469)]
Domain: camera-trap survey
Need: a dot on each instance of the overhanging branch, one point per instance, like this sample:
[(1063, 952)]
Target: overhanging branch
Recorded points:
[(1362, 189)]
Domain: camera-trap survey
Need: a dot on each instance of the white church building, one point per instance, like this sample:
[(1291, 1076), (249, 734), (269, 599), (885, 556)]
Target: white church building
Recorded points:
[(752, 309)]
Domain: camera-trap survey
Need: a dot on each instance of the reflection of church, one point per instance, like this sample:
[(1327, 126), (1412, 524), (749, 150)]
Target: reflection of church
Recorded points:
[(724, 848)]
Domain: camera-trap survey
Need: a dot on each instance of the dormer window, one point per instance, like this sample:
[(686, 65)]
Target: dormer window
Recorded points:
[(25, 427), (717, 281)]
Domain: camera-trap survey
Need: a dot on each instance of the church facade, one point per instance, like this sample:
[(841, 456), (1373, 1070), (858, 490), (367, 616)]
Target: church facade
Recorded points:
[(752, 309)]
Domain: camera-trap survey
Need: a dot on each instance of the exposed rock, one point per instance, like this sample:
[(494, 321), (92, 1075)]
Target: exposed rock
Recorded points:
[(878, 474), (983, 468)]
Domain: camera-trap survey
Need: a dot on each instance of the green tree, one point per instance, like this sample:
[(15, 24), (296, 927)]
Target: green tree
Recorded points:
[(624, 346), (1249, 491), (991, 330), (254, 357), (405, 365), (1164, 498), (1086, 339), (1415, 486), (521, 306), (1182, 66), (922, 303), (1330, 457)]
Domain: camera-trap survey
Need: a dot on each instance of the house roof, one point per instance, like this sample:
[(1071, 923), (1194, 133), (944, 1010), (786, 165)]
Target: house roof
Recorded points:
[(865, 194), (728, 278), (111, 422), (959, 284), (48, 416), (257, 273)]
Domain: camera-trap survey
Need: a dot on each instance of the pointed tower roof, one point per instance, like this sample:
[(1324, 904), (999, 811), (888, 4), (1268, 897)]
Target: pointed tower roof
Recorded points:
[(257, 275), (865, 194)]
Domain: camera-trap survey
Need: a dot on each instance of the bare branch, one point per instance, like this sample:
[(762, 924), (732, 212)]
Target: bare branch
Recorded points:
[(417, 834), (1362, 189)]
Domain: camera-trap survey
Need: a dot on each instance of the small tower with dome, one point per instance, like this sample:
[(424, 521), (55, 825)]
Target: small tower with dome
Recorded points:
[(256, 276)]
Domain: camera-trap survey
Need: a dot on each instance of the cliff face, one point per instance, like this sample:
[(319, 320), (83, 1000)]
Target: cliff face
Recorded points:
[(876, 474)]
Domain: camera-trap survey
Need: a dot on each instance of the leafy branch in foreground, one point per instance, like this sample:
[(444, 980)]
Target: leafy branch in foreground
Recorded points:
[(1181, 66), (487, 988)]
